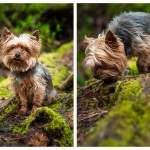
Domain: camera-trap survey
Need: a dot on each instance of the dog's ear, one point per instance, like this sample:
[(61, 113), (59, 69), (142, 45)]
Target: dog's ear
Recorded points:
[(87, 41), (36, 34), (110, 38), (5, 33)]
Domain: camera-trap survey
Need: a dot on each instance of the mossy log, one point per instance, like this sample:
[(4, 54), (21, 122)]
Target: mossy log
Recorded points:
[(115, 114), (54, 126)]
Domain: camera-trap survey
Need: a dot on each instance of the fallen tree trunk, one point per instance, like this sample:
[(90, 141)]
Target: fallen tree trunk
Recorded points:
[(115, 114)]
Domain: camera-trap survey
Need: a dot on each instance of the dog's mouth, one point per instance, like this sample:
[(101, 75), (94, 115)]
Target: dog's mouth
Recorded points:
[(16, 59)]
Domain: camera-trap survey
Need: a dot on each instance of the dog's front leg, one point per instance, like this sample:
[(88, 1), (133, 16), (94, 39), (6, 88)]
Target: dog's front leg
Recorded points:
[(38, 98), (23, 104)]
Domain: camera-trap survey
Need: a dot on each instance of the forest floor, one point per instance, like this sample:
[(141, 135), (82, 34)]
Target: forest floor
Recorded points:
[(115, 114)]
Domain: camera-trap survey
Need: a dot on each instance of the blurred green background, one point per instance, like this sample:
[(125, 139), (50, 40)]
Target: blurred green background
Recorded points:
[(92, 19), (55, 22)]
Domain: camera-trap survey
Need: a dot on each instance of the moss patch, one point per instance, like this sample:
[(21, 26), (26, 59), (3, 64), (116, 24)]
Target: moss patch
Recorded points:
[(61, 74), (52, 58), (24, 127), (58, 104), (58, 71), (4, 89), (65, 47), (127, 124), (133, 67), (55, 125), (58, 127), (5, 93), (11, 107), (5, 83), (1, 79), (129, 89)]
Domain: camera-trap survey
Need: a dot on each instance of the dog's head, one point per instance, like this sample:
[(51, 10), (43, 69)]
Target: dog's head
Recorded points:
[(20, 53), (105, 56)]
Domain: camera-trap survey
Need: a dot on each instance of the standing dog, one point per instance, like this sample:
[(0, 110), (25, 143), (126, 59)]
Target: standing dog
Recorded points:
[(127, 35)]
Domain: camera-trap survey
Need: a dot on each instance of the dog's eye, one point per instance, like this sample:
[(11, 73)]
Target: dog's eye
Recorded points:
[(25, 49), (12, 47)]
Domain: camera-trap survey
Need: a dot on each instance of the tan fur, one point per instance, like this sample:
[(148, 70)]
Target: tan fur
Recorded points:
[(25, 44), (105, 56), (31, 89)]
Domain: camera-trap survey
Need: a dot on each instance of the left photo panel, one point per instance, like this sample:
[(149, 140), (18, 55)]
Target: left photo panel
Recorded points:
[(36, 75)]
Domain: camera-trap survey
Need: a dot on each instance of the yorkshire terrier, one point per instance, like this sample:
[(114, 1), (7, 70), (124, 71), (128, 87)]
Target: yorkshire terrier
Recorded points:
[(30, 81), (127, 35)]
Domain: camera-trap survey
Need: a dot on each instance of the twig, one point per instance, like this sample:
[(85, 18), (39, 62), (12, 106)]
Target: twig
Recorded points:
[(12, 139), (6, 102), (93, 115)]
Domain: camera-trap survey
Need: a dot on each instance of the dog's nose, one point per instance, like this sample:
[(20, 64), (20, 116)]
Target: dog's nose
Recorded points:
[(17, 56)]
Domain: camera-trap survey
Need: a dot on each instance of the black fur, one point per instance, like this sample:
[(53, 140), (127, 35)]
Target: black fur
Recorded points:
[(127, 26)]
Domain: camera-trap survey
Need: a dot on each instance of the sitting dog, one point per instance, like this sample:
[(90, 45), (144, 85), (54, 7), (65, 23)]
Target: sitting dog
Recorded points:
[(30, 81)]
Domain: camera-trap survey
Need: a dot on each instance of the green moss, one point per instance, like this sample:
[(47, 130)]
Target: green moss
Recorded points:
[(58, 71), (65, 47), (24, 127), (56, 126), (127, 124), (126, 90), (133, 67), (4, 89), (58, 103), (12, 106), (130, 89), (63, 103), (5, 83), (1, 79), (61, 74), (52, 59), (5, 93)]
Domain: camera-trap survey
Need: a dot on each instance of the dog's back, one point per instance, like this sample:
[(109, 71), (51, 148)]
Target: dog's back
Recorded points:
[(131, 28)]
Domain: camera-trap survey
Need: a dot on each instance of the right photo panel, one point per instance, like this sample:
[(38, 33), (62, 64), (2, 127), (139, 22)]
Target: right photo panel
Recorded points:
[(113, 60)]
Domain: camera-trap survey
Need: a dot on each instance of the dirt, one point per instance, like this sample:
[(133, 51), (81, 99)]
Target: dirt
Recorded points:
[(93, 105), (8, 138)]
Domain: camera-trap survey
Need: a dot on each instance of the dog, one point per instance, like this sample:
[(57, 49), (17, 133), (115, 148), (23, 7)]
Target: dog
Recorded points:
[(30, 81), (127, 35)]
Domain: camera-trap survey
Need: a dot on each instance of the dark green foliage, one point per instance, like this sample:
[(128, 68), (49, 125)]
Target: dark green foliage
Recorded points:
[(53, 20)]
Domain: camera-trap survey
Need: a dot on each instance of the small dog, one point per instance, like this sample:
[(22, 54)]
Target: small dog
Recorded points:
[(30, 81), (127, 35)]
